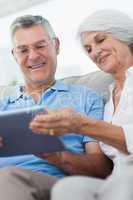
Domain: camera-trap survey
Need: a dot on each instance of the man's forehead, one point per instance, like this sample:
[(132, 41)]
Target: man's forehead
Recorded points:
[(22, 44), (30, 35)]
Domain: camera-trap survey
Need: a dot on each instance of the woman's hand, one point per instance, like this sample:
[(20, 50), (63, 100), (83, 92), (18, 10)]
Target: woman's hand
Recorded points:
[(60, 121)]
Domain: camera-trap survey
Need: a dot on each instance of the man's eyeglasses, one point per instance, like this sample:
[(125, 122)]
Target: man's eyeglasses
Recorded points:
[(38, 47)]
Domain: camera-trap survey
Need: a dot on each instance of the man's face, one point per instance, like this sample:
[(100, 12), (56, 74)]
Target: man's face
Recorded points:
[(36, 53)]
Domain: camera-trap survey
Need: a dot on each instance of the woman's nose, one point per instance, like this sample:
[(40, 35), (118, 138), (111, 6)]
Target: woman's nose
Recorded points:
[(95, 54)]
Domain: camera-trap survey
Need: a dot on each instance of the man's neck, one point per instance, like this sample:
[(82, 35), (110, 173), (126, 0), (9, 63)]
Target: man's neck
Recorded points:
[(36, 90)]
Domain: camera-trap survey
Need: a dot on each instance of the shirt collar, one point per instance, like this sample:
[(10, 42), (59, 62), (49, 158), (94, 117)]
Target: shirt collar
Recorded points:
[(17, 94), (128, 73), (19, 91), (111, 87), (59, 86)]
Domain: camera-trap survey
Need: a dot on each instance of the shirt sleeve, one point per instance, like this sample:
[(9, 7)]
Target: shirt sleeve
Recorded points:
[(94, 109), (128, 131)]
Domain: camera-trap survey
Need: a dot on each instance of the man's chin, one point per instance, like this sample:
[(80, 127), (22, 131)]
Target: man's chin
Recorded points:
[(40, 81), (43, 81)]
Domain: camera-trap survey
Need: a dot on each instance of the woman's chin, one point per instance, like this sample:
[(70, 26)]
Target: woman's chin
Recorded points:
[(106, 68)]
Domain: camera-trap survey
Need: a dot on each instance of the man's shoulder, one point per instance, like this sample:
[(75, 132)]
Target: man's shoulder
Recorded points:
[(75, 87), (82, 90)]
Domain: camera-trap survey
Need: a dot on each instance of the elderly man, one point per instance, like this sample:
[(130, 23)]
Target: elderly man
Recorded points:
[(35, 49)]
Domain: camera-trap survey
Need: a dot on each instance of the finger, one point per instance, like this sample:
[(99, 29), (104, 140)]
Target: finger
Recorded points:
[(48, 117), (55, 115), (43, 155), (58, 128), (40, 131), (57, 131), (50, 125)]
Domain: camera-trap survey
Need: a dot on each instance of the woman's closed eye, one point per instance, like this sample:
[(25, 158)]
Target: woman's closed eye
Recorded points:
[(99, 39)]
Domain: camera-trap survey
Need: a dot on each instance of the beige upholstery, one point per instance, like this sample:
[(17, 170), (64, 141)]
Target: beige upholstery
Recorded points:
[(97, 81)]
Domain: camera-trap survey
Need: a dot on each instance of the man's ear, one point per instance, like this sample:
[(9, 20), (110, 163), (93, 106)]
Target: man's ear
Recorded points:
[(13, 53), (57, 45)]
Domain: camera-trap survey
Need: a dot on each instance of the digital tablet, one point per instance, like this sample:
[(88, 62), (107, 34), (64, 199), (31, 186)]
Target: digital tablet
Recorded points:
[(18, 139)]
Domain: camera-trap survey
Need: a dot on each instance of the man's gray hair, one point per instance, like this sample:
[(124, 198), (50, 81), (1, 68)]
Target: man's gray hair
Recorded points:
[(120, 25), (27, 21)]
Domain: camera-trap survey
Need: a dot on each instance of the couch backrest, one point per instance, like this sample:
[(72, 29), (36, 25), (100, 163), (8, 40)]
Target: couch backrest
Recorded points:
[(98, 81), (8, 90)]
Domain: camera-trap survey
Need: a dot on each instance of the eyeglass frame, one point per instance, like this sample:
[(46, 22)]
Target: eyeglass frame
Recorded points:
[(40, 49)]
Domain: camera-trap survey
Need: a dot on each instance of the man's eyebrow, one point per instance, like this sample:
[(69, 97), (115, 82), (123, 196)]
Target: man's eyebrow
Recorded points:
[(43, 40), (21, 46), (37, 42)]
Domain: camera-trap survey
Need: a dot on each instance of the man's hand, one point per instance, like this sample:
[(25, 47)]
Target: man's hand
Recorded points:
[(54, 158), (91, 163), (60, 121)]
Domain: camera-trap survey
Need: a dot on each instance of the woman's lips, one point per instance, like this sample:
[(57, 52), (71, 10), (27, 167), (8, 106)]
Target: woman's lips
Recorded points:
[(102, 59)]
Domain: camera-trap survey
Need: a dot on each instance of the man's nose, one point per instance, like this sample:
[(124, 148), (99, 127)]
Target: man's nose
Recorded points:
[(33, 54)]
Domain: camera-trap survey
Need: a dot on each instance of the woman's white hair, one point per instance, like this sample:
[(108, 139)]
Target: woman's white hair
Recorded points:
[(120, 25)]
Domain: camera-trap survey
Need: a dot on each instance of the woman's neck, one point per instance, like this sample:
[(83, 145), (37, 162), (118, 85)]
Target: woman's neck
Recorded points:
[(119, 77), (120, 71), (119, 81)]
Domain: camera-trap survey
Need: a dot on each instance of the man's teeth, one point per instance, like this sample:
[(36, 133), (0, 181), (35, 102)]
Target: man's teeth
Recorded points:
[(36, 66)]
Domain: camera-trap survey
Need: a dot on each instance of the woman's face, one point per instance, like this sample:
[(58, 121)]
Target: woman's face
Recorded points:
[(109, 54)]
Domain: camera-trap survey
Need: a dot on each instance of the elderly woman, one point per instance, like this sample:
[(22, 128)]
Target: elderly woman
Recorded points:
[(107, 37)]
